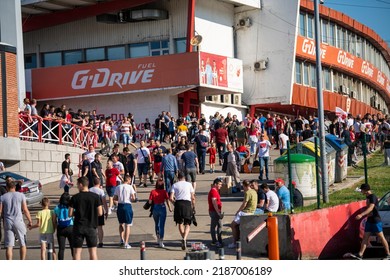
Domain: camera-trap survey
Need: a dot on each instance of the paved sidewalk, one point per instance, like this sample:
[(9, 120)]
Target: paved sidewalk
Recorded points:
[(143, 228)]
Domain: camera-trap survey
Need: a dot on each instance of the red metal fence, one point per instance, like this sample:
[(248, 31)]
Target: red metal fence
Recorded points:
[(55, 131)]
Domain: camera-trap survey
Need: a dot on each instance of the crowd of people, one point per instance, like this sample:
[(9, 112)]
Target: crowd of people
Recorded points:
[(170, 155)]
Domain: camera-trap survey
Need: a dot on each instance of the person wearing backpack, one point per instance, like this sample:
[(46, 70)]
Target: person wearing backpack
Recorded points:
[(64, 225)]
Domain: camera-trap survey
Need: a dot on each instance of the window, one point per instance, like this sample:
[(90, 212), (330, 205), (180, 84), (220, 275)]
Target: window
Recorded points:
[(352, 44), (180, 45), (73, 57), (339, 37), (30, 61), (358, 47), (332, 34), (306, 74), (310, 27), (52, 59), (324, 31), (302, 24), (327, 81), (139, 50), (159, 48), (344, 38), (116, 53), (313, 75), (298, 72), (95, 54)]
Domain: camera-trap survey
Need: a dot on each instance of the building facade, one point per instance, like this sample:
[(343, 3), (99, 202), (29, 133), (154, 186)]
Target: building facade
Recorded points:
[(135, 56)]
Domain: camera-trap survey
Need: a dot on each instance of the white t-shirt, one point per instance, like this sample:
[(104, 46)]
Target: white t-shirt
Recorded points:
[(182, 190), (283, 138), (264, 147), (98, 191), (124, 193), (118, 165), (273, 201), (91, 156), (140, 155)]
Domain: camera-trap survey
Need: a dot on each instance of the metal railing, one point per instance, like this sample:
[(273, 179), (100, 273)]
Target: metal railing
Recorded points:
[(32, 128)]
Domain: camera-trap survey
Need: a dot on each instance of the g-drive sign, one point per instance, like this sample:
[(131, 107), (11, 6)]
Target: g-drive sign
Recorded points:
[(103, 77)]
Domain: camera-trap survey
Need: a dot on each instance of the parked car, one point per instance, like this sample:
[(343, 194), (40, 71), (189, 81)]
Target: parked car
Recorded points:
[(32, 189), (384, 212)]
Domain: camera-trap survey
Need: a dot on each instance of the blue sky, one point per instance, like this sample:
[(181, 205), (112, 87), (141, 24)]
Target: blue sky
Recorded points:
[(373, 13)]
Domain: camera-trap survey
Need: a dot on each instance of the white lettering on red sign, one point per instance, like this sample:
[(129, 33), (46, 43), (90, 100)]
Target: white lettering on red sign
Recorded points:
[(104, 77), (380, 79), (343, 59), (308, 47), (367, 70)]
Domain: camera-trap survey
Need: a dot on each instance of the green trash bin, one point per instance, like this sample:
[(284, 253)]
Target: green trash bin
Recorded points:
[(303, 172)]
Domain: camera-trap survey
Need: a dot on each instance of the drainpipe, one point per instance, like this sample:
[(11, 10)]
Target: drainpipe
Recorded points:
[(190, 24)]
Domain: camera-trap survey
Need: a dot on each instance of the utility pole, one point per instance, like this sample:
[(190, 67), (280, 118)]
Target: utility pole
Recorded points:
[(320, 101)]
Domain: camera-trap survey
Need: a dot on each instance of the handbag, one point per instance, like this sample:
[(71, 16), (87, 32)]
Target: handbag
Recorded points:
[(146, 159), (147, 205)]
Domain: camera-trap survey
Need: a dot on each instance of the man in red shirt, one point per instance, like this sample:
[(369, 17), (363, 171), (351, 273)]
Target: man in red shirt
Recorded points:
[(220, 135), (215, 206), (111, 177)]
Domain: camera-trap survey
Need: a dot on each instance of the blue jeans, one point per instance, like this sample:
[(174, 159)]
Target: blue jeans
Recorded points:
[(159, 216), (263, 164), (202, 159), (169, 177)]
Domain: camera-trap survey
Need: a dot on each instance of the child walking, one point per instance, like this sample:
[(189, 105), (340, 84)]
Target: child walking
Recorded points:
[(46, 225), (212, 151)]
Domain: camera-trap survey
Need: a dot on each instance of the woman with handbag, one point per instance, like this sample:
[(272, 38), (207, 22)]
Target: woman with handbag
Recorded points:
[(158, 198)]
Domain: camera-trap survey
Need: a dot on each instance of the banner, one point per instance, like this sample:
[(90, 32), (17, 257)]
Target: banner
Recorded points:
[(221, 72)]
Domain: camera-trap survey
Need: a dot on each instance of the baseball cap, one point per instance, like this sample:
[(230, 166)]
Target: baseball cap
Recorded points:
[(279, 180), (293, 183)]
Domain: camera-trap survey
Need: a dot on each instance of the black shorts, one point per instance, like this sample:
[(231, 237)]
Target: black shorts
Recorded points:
[(89, 234), (183, 212), (101, 220)]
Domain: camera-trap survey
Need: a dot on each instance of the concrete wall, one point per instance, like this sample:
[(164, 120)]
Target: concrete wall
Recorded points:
[(324, 234), (42, 161), (271, 37)]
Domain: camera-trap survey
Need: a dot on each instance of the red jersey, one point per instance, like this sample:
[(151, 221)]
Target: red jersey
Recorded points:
[(213, 193), (158, 196), (111, 177), (220, 135)]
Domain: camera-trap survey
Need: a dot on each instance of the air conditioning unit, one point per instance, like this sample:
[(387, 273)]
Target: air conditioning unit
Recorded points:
[(260, 65), (237, 99), (343, 89), (352, 94), (245, 22), (216, 98), (347, 91), (225, 98)]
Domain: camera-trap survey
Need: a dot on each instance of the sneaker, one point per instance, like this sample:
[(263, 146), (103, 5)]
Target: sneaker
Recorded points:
[(232, 246), (161, 244), (127, 246), (109, 211), (100, 245), (356, 256), (121, 243), (386, 258), (183, 244)]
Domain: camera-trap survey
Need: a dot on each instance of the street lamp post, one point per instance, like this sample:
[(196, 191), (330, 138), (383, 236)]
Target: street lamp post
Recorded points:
[(320, 101)]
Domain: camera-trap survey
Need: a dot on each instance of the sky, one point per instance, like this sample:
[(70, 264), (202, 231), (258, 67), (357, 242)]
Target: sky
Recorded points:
[(372, 13)]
